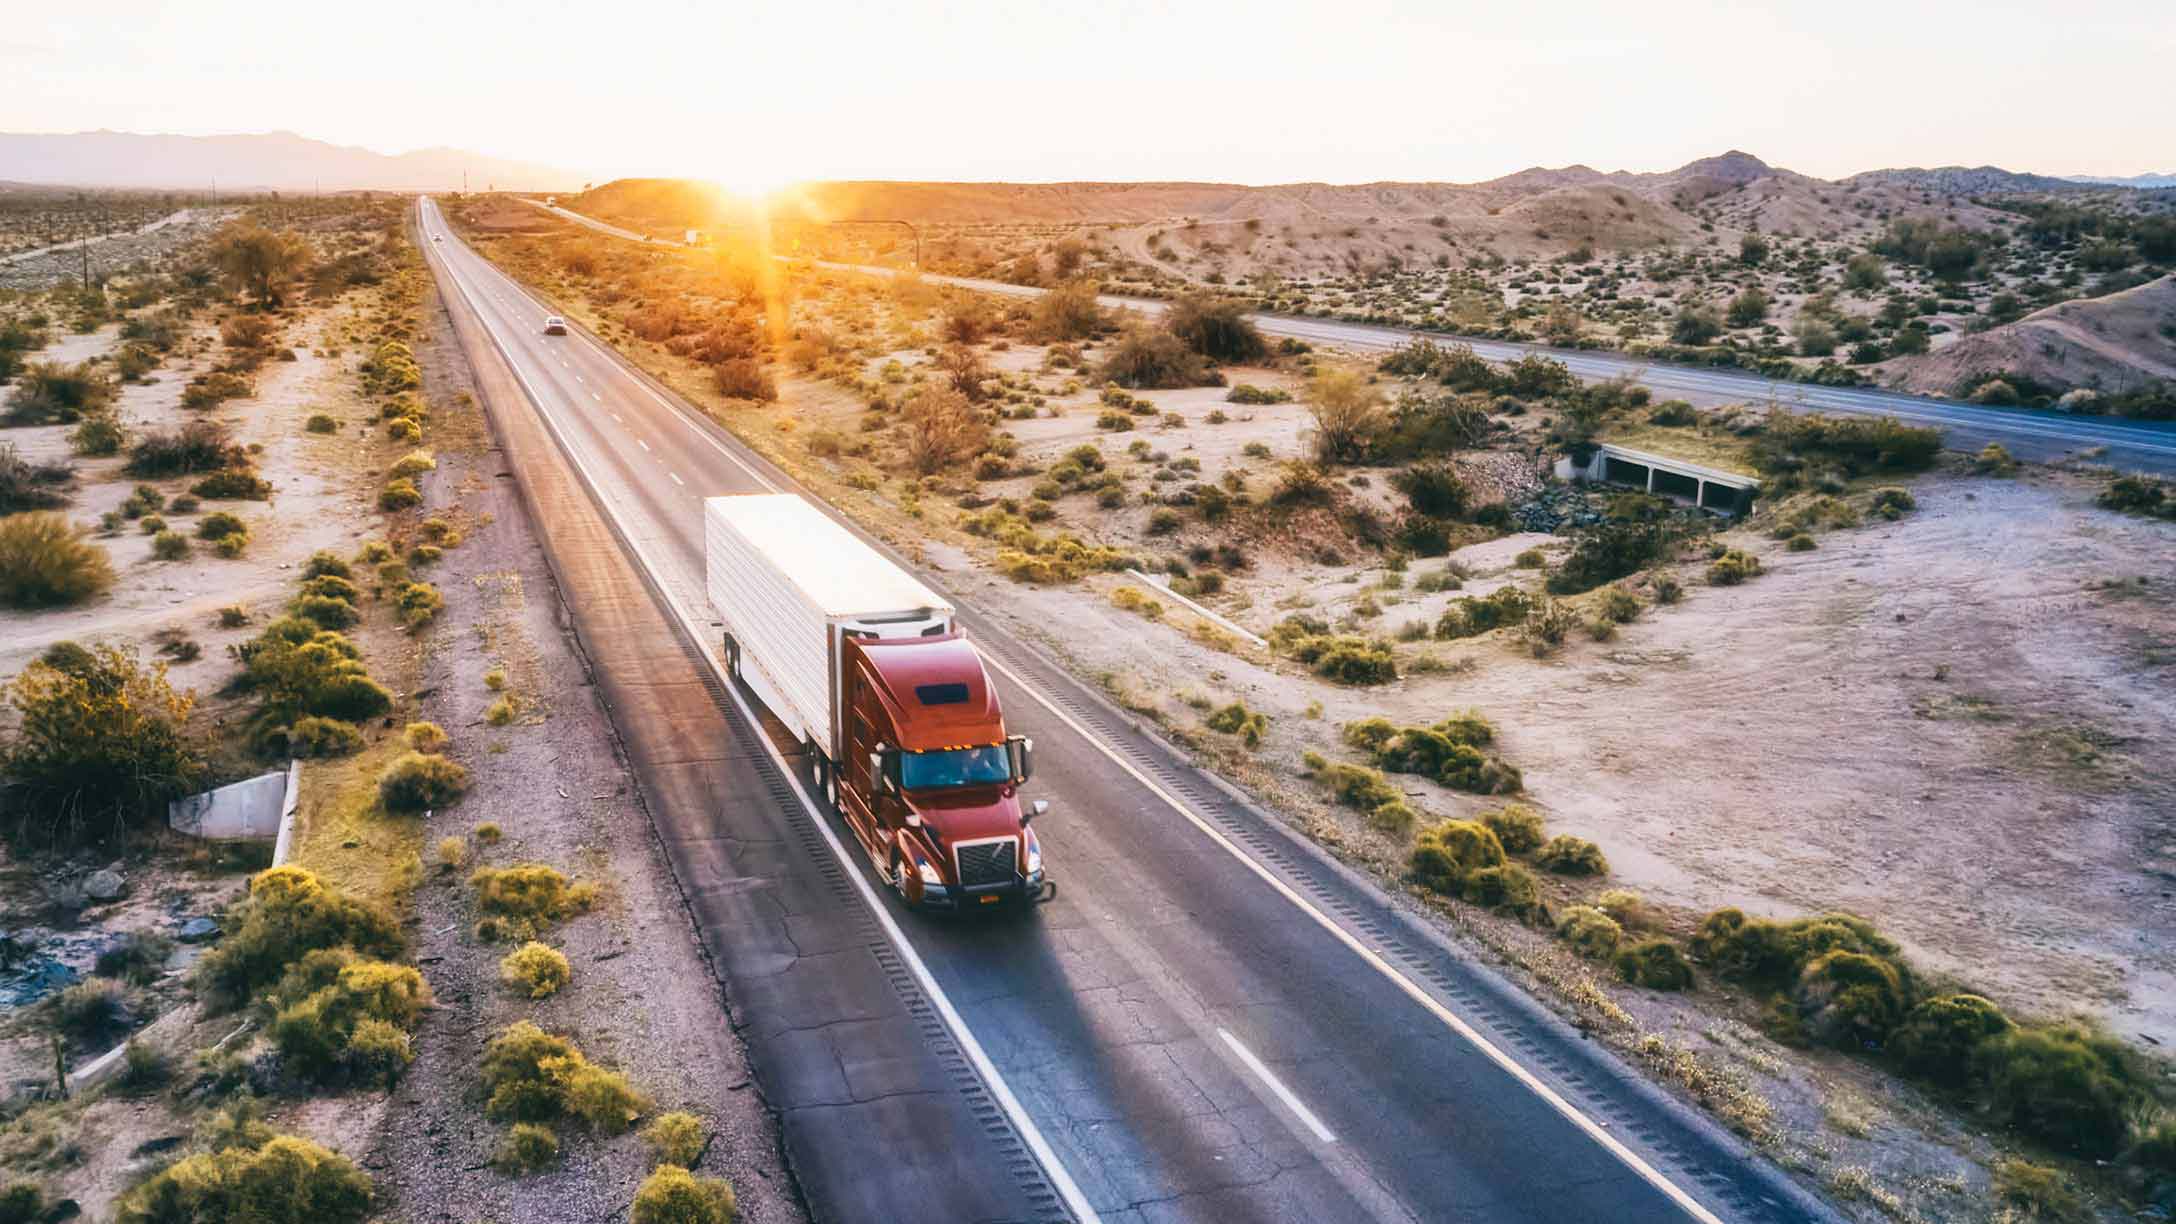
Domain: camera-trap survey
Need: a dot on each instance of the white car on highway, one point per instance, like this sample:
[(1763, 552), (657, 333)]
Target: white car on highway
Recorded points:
[(554, 325)]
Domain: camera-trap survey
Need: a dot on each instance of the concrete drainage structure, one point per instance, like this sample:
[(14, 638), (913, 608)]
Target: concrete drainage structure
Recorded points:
[(257, 809), (1708, 488)]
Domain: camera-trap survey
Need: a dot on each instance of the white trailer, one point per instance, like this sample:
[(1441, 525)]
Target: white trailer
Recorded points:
[(788, 583)]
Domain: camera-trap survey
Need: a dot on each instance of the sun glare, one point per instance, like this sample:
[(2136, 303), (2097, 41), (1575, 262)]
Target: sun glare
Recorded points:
[(750, 186)]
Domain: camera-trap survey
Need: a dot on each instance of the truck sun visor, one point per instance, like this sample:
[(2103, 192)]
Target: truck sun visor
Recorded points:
[(940, 694)]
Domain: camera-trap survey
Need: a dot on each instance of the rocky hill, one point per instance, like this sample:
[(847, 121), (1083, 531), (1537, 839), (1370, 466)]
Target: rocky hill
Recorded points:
[(2113, 343)]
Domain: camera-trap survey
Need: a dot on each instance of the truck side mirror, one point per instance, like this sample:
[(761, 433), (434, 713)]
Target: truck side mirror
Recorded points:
[(879, 781), (1035, 809), (1022, 751)]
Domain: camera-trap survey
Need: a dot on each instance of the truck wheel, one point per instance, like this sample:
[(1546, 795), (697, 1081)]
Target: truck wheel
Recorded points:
[(732, 657), (899, 877)]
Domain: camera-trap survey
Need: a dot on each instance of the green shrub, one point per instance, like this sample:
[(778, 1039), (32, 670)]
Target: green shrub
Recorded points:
[(1733, 567), (1447, 853), (1236, 719), (45, 563), (321, 423), (675, 1138), (312, 736), (1892, 503), (319, 1021), (1395, 818), (137, 956), (1590, 932), (418, 781), (414, 463), (1568, 855), (399, 494), (1470, 615), (283, 1180), (1246, 393), (417, 603), (1771, 955), (1217, 328), (535, 969), (1517, 826), (1656, 964), (331, 586), (532, 1076), (1789, 442), (1612, 550), (672, 1195), (523, 899), (1433, 489), (2066, 1086), (22, 1202), (2133, 495), (199, 446), (48, 392), (1357, 786), (325, 611), (2040, 1190), (1508, 886), (98, 736), (1347, 659), (169, 546), (31, 486), (98, 435), (326, 564), (1940, 1039), (1852, 1000), (527, 1148), (300, 668), (425, 737)]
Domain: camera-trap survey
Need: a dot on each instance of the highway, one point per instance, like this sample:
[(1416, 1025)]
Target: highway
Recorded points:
[(1213, 1021), (2038, 435)]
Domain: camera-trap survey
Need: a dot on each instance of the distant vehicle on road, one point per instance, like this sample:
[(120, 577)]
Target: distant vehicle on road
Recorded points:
[(438, 237), (864, 664), (554, 325)]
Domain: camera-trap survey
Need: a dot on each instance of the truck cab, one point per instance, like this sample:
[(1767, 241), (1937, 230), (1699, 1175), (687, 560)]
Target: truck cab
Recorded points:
[(928, 779)]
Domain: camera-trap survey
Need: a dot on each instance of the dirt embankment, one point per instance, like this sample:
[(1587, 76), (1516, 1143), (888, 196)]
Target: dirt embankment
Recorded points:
[(2111, 343)]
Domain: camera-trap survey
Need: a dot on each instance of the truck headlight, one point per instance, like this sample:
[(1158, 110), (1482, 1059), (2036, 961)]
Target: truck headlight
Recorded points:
[(928, 873), (1035, 858)]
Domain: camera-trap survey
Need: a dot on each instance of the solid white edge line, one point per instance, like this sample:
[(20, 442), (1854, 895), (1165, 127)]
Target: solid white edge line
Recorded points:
[(1451, 1019), (1061, 1180), (1277, 1086)]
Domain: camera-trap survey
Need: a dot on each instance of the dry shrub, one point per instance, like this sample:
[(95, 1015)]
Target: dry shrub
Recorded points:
[(535, 969), (1590, 932), (1568, 855), (1445, 855), (44, 563), (1656, 964), (672, 1195), (676, 1138), (532, 1076), (943, 430), (1516, 825), (526, 1148), (98, 736), (32, 486), (288, 914), (521, 900), (417, 781), (338, 1014), (279, 1180)]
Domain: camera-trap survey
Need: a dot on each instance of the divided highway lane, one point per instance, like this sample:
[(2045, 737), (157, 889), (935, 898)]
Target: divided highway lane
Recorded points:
[(2030, 434), (1213, 1021)]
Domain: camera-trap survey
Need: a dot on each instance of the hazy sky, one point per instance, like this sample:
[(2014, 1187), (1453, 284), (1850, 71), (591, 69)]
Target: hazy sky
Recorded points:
[(1260, 92)]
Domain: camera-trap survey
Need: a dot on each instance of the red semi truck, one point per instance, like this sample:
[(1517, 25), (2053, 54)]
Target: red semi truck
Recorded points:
[(898, 715)]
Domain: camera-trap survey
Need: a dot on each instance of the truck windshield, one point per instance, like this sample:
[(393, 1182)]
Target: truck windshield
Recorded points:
[(985, 766)]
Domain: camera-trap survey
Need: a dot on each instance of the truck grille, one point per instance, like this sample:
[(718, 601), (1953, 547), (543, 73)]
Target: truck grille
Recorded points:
[(986, 863)]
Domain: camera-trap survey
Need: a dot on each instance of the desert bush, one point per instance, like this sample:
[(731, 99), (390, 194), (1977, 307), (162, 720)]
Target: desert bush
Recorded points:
[(137, 956), (1590, 932), (1217, 328), (48, 393), (1149, 357), (322, 423), (1357, 786), (398, 494), (1236, 719), (745, 378), (675, 1138), (1609, 551), (278, 1180), (288, 914), (417, 603), (1891, 503), (1852, 1000), (1348, 414), (218, 525), (1547, 624), (2067, 1086), (418, 781), (169, 546), (425, 737), (331, 586), (233, 484), (1517, 826), (325, 611), (1507, 886), (31, 486), (942, 430), (1771, 954), (1940, 1038), (414, 463), (672, 1195), (521, 900), (45, 563), (1247, 393), (1733, 567), (312, 736), (532, 1076), (1347, 659), (2133, 495), (1068, 312), (1656, 964), (535, 969), (1470, 615), (1449, 752), (93, 1009), (1568, 855), (199, 446), (351, 1020), (1433, 489), (526, 1148), (1446, 854), (300, 668), (97, 736), (98, 434), (502, 712), (1789, 442), (213, 388)]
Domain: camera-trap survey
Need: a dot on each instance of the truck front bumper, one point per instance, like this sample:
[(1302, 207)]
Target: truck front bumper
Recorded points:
[(1024, 890)]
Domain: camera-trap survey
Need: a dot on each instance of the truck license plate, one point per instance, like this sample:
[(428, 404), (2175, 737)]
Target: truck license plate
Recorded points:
[(989, 898)]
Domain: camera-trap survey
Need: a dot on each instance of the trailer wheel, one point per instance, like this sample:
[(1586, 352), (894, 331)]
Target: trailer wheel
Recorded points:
[(732, 657), (899, 877)]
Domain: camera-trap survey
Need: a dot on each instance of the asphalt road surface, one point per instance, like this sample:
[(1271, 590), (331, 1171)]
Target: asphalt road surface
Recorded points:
[(2039, 435), (1212, 1021)]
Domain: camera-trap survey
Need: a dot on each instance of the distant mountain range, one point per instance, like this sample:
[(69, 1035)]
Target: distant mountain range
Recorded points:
[(2146, 182), (277, 161)]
